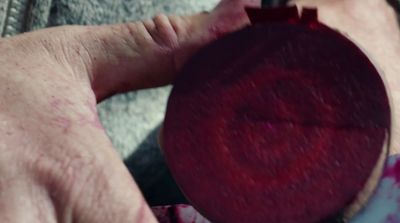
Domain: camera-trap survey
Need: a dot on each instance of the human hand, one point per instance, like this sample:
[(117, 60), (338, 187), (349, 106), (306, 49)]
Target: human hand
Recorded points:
[(56, 162)]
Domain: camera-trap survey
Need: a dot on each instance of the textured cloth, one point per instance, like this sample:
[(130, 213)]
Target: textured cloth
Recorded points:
[(13, 16)]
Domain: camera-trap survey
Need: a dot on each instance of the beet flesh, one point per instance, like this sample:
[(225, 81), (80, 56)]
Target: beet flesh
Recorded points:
[(278, 122)]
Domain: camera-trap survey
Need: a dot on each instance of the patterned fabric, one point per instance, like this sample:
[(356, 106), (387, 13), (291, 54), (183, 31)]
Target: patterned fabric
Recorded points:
[(12, 15)]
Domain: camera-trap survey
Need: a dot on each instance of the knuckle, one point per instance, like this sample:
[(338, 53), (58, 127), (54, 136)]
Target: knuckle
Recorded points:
[(64, 173), (166, 32), (67, 178)]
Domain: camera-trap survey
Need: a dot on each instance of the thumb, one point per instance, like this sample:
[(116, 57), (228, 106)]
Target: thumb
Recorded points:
[(123, 57), (230, 14)]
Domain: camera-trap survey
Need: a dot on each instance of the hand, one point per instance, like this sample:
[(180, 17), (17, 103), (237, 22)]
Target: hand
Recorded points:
[(56, 162)]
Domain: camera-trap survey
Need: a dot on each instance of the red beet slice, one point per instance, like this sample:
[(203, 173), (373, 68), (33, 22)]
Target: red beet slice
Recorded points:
[(284, 121)]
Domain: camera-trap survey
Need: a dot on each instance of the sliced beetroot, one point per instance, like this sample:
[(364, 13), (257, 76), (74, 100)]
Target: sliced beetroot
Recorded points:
[(279, 122), (279, 14)]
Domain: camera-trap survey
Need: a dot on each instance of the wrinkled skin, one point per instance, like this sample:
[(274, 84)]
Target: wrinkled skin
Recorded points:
[(56, 162)]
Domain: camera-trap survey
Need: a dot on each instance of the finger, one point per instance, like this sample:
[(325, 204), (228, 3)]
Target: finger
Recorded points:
[(135, 55), (152, 52), (150, 27), (230, 15), (131, 56), (164, 33), (239, 3)]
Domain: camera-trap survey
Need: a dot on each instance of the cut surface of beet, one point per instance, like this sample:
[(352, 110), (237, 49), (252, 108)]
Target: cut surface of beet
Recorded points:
[(278, 122)]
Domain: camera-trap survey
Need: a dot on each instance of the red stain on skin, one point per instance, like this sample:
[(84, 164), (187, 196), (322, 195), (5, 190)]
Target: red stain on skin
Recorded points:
[(216, 32), (58, 104), (142, 212), (91, 119), (392, 219), (173, 214), (91, 106), (393, 172), (64, 123), (178, 214)]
